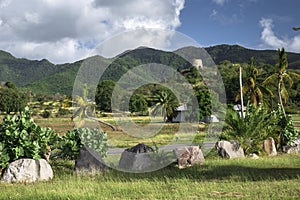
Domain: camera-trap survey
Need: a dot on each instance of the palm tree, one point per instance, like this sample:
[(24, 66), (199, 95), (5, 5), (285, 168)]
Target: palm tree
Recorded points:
[(165, 103), (282, 76), (84, 106), (252, 87)]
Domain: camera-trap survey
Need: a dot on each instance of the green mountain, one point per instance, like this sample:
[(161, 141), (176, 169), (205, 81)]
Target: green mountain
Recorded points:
[(47, 78)]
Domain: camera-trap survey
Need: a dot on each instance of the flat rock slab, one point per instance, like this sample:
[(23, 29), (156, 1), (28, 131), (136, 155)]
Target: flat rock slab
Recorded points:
[(27, 171)]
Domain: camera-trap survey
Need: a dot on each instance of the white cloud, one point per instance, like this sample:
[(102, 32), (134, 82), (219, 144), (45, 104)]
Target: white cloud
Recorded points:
[(214, 12), (219, 2), (270, 39), (64, 31)]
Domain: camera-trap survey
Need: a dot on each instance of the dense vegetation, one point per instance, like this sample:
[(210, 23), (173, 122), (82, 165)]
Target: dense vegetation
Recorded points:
[(47, 78)]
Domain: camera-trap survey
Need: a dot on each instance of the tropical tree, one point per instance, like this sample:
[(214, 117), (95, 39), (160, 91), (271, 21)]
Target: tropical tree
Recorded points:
[(165, 103), (86, 107), (254, 90), (281, 77), (11, 99), (138, 103), (104, 95)]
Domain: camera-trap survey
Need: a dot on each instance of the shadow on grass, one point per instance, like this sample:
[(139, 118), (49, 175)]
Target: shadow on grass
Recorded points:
[(212, 171)]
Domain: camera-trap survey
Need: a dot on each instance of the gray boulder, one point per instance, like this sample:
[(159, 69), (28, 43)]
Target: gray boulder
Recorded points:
[(137, 158), (294, 147), (188, 156), (269, 146), (228, 149), (27, 170), (89, 160)]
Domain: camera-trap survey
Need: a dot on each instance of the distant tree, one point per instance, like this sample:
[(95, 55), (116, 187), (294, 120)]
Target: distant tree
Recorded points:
[(11, 99), (165, 103), (104, 94), (84, 108), (281, 77), (138, 103), (205, 105), (10, 85), (254, 90)]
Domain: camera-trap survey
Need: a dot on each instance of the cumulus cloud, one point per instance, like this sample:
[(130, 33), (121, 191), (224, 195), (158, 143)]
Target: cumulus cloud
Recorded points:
[(65, 31), (270, 39), (219, 2)]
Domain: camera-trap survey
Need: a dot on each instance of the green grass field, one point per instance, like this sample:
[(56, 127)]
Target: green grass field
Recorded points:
[(265, 178), (296, 120)]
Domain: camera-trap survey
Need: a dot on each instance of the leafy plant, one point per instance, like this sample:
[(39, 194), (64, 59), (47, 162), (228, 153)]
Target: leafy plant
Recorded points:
[(286, 132), (250, 131), (76, 138), (21, 137)]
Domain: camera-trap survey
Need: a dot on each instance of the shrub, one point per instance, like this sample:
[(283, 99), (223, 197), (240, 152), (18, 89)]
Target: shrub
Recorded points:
[(76, 138), (250, 131), (20, 137), (286, 132)]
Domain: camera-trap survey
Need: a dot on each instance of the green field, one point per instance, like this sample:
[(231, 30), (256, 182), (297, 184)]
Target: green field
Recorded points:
[(265, 178), (296, 120)]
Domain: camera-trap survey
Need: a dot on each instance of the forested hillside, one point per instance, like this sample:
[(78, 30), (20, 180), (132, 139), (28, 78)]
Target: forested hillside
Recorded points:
[(47, 78)]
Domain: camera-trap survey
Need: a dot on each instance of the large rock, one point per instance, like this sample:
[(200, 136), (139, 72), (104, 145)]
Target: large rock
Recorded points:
[(89, 160), (294, 147), (27, 170), (269, 146), (228, 149), (136, 158), (188, 156)]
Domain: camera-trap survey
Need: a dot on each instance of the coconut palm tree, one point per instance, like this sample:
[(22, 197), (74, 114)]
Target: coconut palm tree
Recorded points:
[(253, 88), (166, 103), (84, 106), (281, 77)]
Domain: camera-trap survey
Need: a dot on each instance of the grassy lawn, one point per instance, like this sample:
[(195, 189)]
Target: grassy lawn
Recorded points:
[(296, 120), (122, 139), (265, 178)]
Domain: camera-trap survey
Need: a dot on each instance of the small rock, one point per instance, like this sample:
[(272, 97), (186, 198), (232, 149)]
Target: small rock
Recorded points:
[(188, 156), (253, 156), (89, 160), (294, 147), (228, 149), (269, 146), (27, 170)]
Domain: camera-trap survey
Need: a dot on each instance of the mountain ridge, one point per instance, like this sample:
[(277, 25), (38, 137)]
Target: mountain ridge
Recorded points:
[(42, 76)]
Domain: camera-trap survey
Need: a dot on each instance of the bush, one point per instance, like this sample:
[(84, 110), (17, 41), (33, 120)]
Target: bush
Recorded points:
[(76, 138), (20, 137), (250, 131), (286, 132)]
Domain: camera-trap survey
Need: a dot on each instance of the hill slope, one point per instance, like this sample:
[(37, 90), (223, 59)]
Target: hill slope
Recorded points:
[(47, 78)]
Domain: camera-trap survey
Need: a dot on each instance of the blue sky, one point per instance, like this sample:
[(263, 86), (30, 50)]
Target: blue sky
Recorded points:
[(64, 31), (239, 21)]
